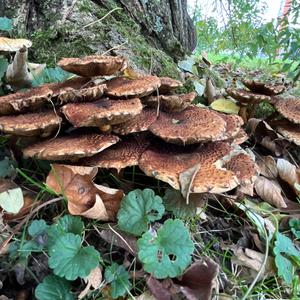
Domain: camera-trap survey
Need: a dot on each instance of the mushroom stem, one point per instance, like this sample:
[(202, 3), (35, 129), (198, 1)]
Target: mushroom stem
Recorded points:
[(243, 113), (105, 128)]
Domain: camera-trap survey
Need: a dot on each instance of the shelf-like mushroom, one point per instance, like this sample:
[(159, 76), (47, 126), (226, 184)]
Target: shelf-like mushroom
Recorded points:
[(31, 124), (70, 147), (290, 131), (102, 112), (139, 123), (263, 87), (94, 65), (246, 97), (24, 101), (290, 109), (192, 125), (168, 85), (126, 87), (170, 103)]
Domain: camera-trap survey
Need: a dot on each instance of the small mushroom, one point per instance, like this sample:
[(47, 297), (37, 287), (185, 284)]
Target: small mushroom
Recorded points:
[(31, 124), (94, 65), (264, 88), (170, 103), (168, 85), (192, 125), (246, 97), (24, 101), (102, 112), (70, 147), (13, 45), (290, 109), (139, 123), (126, 87), (290, 131)]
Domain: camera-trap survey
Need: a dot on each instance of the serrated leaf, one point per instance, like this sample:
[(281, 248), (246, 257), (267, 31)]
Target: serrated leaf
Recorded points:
[(37, 227), (12, 200), (285, 254), (225, 106), (53, 288), (70, 260), (6, 24), (174, 202), (138, 209), (295, 227), (169, 252), (119, 279)]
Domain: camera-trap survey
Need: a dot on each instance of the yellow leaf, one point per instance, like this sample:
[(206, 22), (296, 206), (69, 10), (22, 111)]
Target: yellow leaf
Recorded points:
[(225, 106)]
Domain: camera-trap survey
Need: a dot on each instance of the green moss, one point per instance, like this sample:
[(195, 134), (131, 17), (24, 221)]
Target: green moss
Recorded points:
[(264, 110)]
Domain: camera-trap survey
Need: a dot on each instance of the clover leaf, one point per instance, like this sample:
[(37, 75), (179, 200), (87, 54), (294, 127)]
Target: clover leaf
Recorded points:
[(37, 227), (138, 209), (70, 260), (285, 256), (119, 279), (53, 288), (169, 252)]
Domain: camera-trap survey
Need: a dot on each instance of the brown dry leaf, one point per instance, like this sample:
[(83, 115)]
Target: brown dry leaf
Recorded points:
[(93, 281), (288, 172), (198, 281), (84, 197), (267, 166), (186, 179), (161, 290), (269, 191), (145, 296), (253, 260)]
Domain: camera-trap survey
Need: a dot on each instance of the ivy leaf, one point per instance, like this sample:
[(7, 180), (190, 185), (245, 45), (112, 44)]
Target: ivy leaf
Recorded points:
[(138, 209), (37, 227), (175, 203), (53, 288), (119, 279), (285, 255), (6, 24), (12, 200), (70, 260), (295, 227), (169, 252)]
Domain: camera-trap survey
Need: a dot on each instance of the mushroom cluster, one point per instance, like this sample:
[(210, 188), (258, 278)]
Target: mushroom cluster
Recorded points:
[(120, 121)]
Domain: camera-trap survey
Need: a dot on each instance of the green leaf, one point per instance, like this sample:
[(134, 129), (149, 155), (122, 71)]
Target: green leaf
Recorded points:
[(12, 200), (70, 260), (168, 253), (53, 288), (37, 227), (187, 65), (119, 279), (49, 75), (199, 88), (295, 227), (225, 106), (3, 66), (285, 256), (6, 24), (138, 209), (175, 203), (6, 167)]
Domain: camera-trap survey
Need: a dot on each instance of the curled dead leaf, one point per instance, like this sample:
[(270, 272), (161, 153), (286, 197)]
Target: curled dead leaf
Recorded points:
[(267, 166), (269, 191), (93, 281), (289, 173), (85, 198)]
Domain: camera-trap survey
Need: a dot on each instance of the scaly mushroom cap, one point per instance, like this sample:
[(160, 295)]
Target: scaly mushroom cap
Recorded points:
[(76, 90), (233, 125), (94, 65), (70, 147), (125, 153), (246, 97), (168, 84), (102, 112), (264, 88), (31, 124), (170, 103), (290, 109), (24, 101), (139, 123), (240, 138), (192, 125), (291, 132), (126, 87), (13, 45)]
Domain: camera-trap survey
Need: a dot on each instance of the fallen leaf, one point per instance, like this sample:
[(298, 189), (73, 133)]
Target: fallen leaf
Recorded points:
[(267, 166), (289, 173), (226, 106), (198, 281), (161, 290), (12, 200), (269, 191), (146, 296), (85, 198), (93, 281)]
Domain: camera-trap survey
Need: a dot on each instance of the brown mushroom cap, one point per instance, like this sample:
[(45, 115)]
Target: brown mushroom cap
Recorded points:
[(139, 123), (168, 84), (246, 97), (170, 103), (291, 132), (70, 147), (192, 125), (264, 88), (94, 65), (31, 124), (76, 89), (233, 125), (125, 87), (240, 138), (102, 112), (125, 153), (290, 109), (24, 101), (13, 45)]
